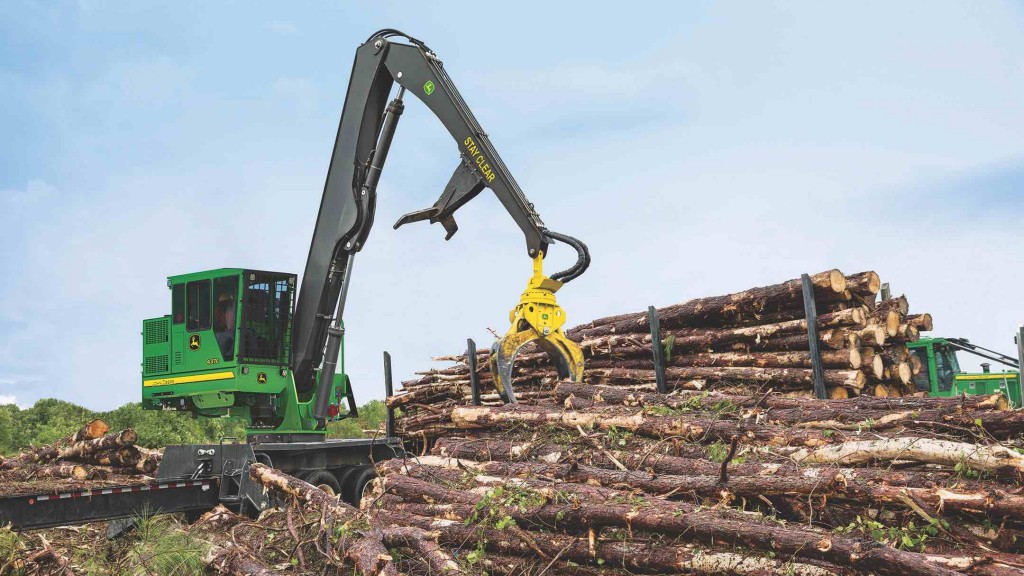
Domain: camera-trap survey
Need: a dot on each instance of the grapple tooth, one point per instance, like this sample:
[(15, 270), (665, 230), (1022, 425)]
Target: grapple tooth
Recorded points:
[(564, 353), (503, 354)]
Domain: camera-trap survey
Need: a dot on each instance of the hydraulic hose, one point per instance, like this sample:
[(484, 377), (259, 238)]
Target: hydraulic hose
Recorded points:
[(582, 260)]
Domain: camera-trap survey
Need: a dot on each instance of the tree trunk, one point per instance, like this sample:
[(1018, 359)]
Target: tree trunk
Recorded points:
[(683, 377), (686, 428), (715, 309), (776, 402), (923, 322), (926, 450), (695, 523), (864, 284)]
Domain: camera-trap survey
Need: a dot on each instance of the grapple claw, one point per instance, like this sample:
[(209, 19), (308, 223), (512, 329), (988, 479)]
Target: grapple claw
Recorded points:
[(536, 317)]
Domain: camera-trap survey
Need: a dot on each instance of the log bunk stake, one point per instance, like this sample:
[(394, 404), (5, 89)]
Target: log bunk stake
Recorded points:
[(811, 315)]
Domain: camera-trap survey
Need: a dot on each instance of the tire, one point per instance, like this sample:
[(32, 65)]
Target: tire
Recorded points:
[(324, 480), (344, 475), (357, 482)]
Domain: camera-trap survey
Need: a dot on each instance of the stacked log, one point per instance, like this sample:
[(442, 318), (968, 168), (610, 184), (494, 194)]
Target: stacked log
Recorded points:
[(748, 342), (613, 479), (737, 469), (92, 454)]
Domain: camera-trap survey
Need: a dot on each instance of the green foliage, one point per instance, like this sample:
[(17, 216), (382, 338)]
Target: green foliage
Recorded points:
[(964, 470), (492, 509), (160, 546), (910, 536), (371, 418), (50, 420), (618, 438), (11, 548), (668, 343), (718, 451)]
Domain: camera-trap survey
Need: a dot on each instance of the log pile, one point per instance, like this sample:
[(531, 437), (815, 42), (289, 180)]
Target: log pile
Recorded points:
[(599, 479), (93, 456), (747, 342), (738, 469)]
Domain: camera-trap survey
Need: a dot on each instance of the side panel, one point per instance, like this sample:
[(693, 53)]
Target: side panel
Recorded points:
[(156, 346)]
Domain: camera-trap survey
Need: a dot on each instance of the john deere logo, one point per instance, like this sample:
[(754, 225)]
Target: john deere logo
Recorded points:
[(193, 342), (428, 88), (261, 378)]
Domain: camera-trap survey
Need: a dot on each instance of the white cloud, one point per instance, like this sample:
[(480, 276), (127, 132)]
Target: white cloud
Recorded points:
[(7, 399)]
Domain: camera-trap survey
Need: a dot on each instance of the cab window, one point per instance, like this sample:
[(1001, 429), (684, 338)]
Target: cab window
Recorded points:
[(225, 314), (944, 370), (178, 303), (923, 379), (197, 303)]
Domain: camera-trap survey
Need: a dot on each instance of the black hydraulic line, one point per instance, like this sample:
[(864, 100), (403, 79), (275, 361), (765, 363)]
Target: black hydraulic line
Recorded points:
[(582, 261), (335, 331)]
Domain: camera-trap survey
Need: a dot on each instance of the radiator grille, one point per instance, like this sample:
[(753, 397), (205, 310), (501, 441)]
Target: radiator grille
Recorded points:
[(155, 364), (155, 331)]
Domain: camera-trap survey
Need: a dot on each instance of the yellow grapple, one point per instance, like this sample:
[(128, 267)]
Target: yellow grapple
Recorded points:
[(537, 317)]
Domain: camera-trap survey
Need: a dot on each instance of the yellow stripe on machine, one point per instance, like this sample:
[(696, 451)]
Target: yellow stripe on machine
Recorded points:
[(189, 379), (984, 377)]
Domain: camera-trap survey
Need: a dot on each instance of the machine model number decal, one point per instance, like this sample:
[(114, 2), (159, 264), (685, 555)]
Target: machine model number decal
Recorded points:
[(213, 361), (193, 342), (478, 157)]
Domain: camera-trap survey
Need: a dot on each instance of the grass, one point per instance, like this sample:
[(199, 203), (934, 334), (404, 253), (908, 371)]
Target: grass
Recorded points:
[(159, 545)]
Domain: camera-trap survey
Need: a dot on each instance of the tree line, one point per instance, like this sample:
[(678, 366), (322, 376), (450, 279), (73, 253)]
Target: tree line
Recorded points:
[(50, 419)]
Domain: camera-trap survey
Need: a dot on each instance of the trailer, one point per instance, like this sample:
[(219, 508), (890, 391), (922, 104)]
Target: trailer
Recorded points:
[(194, 478)]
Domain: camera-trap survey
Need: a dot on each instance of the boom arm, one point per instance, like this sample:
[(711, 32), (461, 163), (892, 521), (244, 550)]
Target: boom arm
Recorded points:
[(346, 210)]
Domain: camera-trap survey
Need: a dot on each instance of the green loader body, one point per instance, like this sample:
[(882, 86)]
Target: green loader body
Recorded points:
[(941, 375), (225, 350)]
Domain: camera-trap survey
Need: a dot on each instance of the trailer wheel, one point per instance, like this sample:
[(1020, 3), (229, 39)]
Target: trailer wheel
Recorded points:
[(358, 483), (324, 480)]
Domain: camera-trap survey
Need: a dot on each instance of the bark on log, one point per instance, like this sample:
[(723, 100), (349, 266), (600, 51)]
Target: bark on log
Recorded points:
[(683, 519), (703, 311), (899, 304), (782, 482), (71, 471), (707, 338), (889, 320), (632, 556), (865, 284), (131, 457), (368, 553), (709, 400), (925, 450), (123, 439), (684, 377), (872, 335), (846, 359), (923, 322), (687, 428)]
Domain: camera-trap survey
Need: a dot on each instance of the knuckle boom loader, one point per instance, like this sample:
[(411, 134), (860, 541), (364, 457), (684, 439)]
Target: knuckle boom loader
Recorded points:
[(261, 346)]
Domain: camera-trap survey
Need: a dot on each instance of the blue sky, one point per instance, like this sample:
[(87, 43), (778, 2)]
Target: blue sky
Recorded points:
[(698, 148)]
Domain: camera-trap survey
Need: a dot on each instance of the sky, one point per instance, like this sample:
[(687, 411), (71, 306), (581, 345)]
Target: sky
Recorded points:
[(698, 148)]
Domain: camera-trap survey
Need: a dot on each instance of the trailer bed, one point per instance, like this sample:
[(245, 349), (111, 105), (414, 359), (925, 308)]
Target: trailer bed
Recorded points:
[(77, 505)]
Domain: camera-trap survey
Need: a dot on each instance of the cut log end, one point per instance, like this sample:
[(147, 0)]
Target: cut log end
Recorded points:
[(837, 281)]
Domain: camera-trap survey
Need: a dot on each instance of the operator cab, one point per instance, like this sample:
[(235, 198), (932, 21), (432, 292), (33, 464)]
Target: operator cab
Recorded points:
[(226, 344)]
